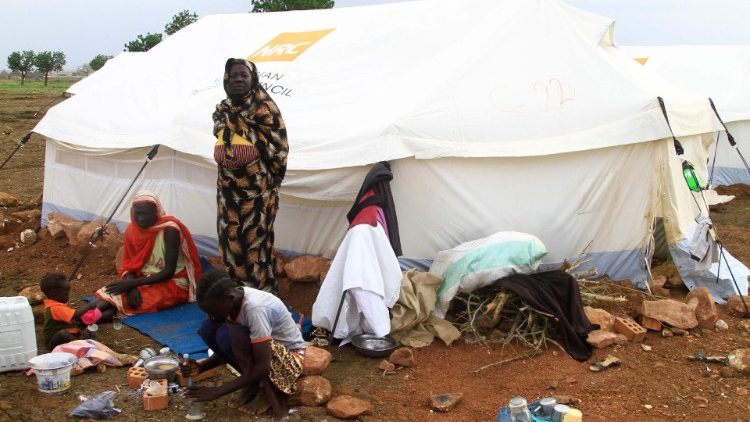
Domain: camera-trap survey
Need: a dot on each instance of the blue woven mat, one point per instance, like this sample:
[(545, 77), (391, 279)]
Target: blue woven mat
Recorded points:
[(175, 328)]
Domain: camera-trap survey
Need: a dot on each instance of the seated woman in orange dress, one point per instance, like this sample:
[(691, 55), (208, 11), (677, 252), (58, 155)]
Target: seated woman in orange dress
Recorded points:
[(160, 265)]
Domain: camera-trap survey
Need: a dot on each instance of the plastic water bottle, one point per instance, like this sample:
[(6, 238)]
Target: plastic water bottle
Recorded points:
[(195, 409)]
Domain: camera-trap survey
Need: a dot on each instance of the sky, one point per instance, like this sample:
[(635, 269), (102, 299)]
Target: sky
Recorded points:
[(84, 28)]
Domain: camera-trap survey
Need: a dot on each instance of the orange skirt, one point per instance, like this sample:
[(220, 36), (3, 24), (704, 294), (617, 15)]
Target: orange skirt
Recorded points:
[(155, 297)]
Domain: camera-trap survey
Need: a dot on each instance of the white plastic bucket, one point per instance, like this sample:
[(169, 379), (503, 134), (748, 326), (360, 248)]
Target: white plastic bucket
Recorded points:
[(53, 371)]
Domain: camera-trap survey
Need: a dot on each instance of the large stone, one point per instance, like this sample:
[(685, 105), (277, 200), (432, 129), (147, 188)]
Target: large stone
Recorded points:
[(600, 317), (402, 357), (445, 401), (348, 407), (33, 293), (7, 200), (740, 360), (278, 269), (28, 237), (601, 339), (306, 268), (113, 240), (735, 306), (705, 309), (386, 366), (29, 215), (674, 281), (312, 390), (69, 226), (316, 360), (671, 312)]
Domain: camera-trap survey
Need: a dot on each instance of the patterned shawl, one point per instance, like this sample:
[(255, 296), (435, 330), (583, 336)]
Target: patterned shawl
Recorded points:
[(257, 119)]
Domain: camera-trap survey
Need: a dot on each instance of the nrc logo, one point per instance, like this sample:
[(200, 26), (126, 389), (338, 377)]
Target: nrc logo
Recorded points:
[(287, 46)]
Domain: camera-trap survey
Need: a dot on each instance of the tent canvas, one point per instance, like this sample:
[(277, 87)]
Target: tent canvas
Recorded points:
[(499, 115), (721, 72)]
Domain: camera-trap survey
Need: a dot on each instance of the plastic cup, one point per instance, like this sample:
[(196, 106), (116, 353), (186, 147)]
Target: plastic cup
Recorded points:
[(117, 322)]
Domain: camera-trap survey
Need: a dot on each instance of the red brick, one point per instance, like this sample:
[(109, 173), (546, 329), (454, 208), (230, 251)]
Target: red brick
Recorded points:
[(629, 329), (136, 375), (156, 402)]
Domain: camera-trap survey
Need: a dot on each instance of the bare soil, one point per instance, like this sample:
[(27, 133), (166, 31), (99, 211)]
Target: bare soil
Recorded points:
[(660, 384)]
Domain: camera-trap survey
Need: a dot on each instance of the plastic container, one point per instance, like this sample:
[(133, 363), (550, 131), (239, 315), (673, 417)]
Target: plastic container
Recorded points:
[(53, 371), (17, 334)]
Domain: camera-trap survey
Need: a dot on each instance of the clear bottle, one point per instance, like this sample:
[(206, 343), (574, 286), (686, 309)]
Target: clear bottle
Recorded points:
[(519, 410), (195, 409)]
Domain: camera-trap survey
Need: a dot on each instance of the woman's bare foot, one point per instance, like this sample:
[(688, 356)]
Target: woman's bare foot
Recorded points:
[(258, 406), (243, 397)]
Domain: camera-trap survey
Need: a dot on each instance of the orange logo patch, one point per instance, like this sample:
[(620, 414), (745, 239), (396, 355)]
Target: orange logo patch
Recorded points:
[(287, 46)]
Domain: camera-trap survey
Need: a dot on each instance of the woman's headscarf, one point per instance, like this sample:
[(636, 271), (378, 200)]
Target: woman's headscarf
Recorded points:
[(256, 118)]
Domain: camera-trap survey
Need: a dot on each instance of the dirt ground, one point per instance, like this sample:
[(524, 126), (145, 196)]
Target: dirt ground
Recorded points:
[(655, 385)]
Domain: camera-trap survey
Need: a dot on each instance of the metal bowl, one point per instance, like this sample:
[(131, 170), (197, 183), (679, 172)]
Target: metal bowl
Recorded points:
[(162, 367), (373, 346)]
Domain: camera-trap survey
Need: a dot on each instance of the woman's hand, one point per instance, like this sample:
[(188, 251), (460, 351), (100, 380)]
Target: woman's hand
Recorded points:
[(121, 286), (203, 393)]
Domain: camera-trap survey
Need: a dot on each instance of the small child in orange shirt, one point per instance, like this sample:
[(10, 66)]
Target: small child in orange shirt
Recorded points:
[(61, 322)]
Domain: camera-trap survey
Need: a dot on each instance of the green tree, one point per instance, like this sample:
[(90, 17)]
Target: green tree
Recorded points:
[(22, 62), (143, 43), (49, 61), (97, 62), (180, 21), (282, 5)]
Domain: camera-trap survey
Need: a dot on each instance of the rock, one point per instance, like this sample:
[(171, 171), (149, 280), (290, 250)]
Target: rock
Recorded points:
[(727, 372), (28, 237), (679, 331), (566, 400), (306, 268), (705, 309), (33, 294), (402, 357), (278, 268), (735, 306), (672, 312), (601, 339), (658, 281), (387, 366), (7, 200), (721, 325), (30, 215), (113, 240), (348, 407), (645, 347), (69, 226), (739, 360), (741, 391), (666, 332), (744, 325), (86, 231), (602, 318), (316, 360), (674, 281), (55, 229), (445, 401), (651, 324), (312, 390)]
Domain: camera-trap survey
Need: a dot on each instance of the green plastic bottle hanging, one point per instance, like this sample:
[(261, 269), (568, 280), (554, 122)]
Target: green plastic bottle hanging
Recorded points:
[(691, 177)]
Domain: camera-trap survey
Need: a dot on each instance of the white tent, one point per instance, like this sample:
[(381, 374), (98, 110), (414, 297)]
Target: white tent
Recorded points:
[(721, 72), (496, 115)]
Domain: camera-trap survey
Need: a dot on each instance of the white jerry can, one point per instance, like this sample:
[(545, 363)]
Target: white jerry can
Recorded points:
[(17, 334)]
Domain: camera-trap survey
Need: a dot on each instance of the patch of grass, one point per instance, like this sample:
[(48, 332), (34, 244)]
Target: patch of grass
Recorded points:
[(54, 85)]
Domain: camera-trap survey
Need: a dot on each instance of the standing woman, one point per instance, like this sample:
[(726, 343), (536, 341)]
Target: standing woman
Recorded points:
[(251, 151)]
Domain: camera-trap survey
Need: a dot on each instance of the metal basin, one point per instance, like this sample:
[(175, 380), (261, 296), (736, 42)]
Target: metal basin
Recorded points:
[(162, 367), (373, 346)]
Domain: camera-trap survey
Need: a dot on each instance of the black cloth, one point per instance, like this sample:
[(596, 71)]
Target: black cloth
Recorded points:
[(555, 292), (379, 180)]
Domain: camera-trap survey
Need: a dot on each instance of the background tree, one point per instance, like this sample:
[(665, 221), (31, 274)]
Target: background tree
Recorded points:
[(143, 43), (180, 21), (282, 5), (22, 62), (97, 62), (49, 61)]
